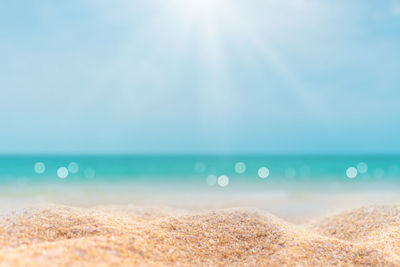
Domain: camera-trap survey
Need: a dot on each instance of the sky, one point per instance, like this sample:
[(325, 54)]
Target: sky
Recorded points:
[(200, 77)]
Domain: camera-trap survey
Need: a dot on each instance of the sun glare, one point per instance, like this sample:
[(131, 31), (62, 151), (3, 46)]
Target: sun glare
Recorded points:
[(214, 30), (201, 12), (201, 5)]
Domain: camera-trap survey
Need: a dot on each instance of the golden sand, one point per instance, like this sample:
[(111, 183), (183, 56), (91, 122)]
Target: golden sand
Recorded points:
[(56, 235)]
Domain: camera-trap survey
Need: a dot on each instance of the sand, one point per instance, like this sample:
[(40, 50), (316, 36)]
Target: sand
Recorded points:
[(56, 235)]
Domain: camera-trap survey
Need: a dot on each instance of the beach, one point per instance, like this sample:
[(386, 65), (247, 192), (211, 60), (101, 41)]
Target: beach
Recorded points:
[(143, 235), (199, 133), (161, 211)]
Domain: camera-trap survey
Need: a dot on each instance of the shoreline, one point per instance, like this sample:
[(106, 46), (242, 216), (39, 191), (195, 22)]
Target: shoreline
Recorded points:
[(294, 206)]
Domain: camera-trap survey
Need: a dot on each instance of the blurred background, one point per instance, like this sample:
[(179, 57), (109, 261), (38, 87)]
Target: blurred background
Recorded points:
[(269, 97)]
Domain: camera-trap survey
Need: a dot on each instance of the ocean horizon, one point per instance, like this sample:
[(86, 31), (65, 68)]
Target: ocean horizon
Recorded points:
[(207, 173)]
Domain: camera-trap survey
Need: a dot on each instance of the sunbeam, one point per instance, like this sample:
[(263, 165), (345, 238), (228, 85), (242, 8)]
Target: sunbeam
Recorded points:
[(219, 24)]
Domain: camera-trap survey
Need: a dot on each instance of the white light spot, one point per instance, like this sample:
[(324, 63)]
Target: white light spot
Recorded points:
[(379, 173), (73, 167), (240, 167), (223, 180), (89, 173), (211, 180), (290, 172), (362, 167), (62, 172), (39, 167), (304, 170), (351, 172), (199, 167), (263, 172), (393, 170)]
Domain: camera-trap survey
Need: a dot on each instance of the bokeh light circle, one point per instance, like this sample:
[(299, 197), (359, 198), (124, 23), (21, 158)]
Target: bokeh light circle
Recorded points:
[(223, 181), (240, 167), (39, 167), (89, 173), (351, 172), (73, 167), (362, 167), (263, 172), (62, 172), (211, 180)]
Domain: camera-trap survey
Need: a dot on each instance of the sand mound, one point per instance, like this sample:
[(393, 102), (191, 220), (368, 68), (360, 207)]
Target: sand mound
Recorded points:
[(126, 236), (377, 225), (50, 223)]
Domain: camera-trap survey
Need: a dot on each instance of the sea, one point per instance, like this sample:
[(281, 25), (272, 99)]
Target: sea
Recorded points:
[(203, 173)]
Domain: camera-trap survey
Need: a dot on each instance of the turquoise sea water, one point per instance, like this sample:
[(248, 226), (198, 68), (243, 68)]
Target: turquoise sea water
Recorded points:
[(207, 172)]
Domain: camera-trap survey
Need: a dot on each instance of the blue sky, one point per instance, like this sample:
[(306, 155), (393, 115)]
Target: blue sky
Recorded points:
[(199, 76)]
